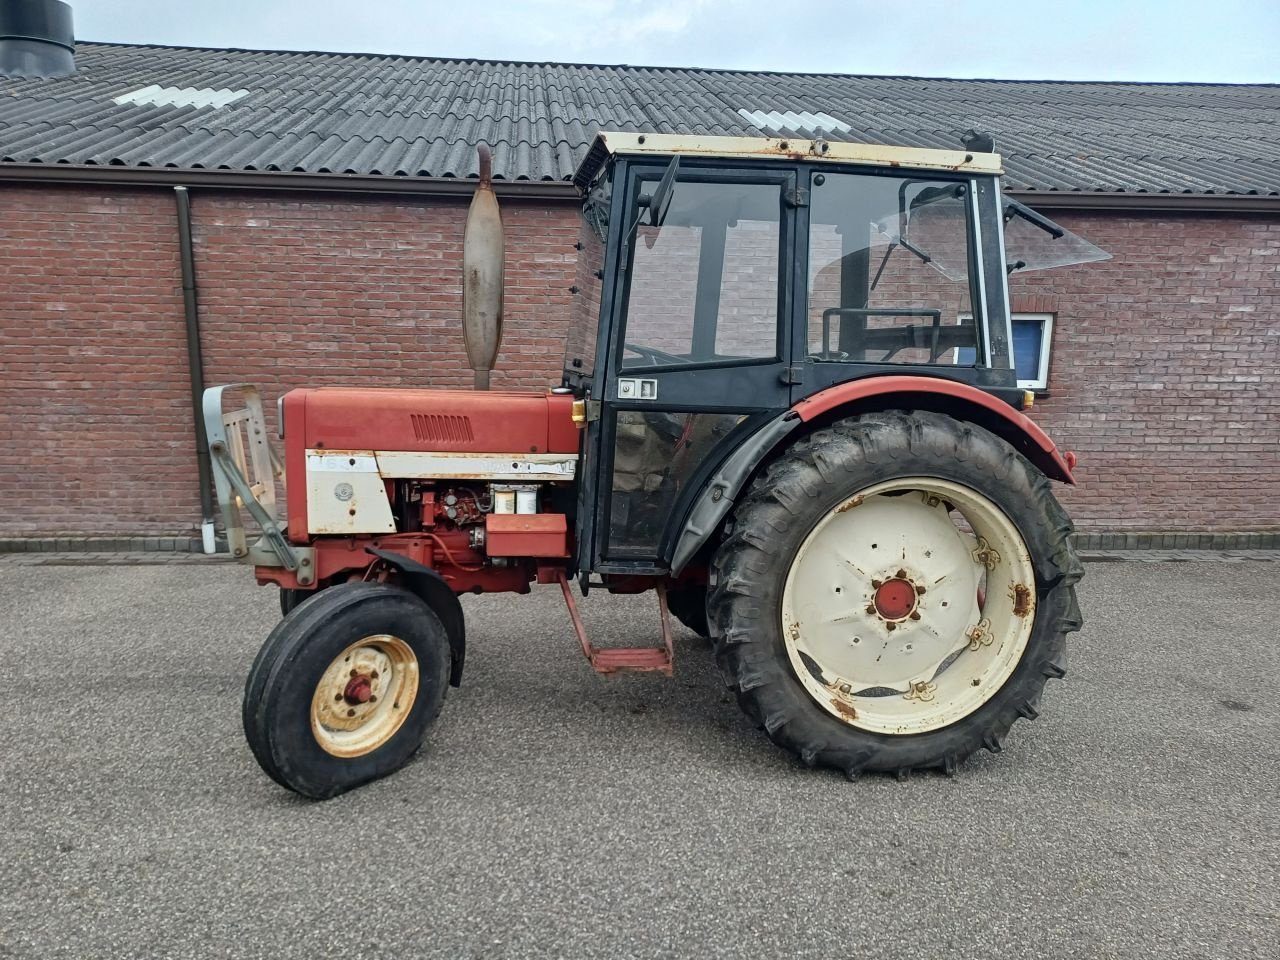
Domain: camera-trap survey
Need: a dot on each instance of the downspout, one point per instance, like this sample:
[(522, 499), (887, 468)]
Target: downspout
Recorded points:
[(195, 367)]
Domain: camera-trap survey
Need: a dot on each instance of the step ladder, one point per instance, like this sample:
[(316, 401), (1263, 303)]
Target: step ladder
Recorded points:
[(611, 660)]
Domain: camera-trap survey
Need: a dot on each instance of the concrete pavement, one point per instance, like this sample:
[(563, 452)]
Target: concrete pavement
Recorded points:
[(554, 813)]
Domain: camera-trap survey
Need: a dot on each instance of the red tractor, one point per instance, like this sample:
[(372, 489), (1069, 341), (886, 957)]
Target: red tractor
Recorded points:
[(789, 407)]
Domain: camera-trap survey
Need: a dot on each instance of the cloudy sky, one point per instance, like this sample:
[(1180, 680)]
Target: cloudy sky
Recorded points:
[(1188, 40)]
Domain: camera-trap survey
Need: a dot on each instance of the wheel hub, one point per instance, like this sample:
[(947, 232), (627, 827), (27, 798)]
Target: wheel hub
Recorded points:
[(895, 599), (364, 696), (358, 690)]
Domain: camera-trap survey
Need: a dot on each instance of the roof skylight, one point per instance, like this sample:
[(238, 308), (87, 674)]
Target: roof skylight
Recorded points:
[(159, 96), (773, 120)]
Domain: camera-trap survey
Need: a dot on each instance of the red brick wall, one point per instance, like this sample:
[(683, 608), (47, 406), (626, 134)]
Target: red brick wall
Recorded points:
[(1165, 375), (95, 411), (95, 421), (1165, 371)]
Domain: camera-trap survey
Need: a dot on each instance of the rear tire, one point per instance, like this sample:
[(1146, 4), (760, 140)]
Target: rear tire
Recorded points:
[(344, 688), (842, 686), (688, 604)]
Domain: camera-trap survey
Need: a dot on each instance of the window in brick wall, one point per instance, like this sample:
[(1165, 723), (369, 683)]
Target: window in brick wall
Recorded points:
[(1032, 340)]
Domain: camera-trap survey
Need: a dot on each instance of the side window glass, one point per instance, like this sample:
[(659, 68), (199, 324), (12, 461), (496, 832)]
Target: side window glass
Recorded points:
[(889, 271), (704, 284)]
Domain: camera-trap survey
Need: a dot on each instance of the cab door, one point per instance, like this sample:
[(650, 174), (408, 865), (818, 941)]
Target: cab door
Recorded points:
[(699, 349)]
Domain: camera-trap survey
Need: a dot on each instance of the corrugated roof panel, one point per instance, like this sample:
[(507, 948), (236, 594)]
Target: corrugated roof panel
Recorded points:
[(158, 96), (419, 117)]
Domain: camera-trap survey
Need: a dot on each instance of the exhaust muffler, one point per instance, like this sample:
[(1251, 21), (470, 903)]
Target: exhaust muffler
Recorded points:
[(482, 266)]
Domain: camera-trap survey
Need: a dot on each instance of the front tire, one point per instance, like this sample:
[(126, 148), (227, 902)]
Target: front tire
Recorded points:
[(894, 593), (290, 598), (344, 688)]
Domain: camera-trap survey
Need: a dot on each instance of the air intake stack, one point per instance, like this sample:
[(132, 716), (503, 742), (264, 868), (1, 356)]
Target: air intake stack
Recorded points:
[(36, 39)]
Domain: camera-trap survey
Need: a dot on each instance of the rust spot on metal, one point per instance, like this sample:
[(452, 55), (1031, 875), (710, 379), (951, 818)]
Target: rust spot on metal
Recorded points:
[(842, 698), (1021, 600), (850, 504), (845, 710), (980, 635)]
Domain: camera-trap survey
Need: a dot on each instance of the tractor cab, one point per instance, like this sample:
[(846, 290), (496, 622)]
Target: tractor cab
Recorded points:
[(726, 280)]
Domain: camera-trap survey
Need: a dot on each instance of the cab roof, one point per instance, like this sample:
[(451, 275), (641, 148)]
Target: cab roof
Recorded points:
[(607, 145)]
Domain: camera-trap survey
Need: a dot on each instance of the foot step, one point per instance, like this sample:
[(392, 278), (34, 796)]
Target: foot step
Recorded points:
[(610, 660), (617, 659)]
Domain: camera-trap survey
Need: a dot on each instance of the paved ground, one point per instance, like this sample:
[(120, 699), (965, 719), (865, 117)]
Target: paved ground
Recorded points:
[(151, 558), (557, 814)]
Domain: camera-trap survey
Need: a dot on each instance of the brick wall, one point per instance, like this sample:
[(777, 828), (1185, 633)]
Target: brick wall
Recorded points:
[(95, 411), (95, 417), (1165, 375), (1165, 371)]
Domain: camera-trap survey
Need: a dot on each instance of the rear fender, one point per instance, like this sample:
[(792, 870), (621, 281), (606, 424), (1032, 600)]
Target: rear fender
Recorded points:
[(436, 594), (956, 400)]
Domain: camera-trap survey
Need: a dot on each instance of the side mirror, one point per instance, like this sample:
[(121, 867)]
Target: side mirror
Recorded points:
[(659, 202)]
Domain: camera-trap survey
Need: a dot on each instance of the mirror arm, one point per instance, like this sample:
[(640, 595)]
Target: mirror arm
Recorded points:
[(1039, 220), (916, 250)]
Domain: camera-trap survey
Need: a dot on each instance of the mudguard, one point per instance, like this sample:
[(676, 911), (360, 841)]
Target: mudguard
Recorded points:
[(958, 400), (436, 594)]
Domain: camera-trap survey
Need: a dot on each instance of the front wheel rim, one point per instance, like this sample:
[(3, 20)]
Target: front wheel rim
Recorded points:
[(908, 606), (364, 696)]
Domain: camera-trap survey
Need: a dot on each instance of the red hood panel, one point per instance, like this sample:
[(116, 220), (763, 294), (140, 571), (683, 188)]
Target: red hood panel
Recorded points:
[(463, 421)]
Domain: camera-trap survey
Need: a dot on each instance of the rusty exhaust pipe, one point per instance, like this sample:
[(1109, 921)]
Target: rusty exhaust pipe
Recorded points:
[(482, 265)]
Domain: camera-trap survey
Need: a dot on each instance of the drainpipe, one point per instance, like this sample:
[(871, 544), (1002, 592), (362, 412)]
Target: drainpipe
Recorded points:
[(195, 367)]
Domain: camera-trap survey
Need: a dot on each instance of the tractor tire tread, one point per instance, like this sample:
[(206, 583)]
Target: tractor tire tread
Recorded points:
[(784, 497), (288, 643)]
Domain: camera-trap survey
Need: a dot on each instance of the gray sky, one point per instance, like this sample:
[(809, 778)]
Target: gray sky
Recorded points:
[(1190, 40)]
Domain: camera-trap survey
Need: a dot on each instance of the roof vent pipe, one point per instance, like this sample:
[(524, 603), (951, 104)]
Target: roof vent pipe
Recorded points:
[(36, 39)]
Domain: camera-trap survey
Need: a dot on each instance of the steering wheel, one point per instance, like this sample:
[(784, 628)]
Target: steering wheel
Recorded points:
[(653, 355)]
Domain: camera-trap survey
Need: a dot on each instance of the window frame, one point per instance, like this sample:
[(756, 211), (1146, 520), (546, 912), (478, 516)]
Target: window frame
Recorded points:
[(1041, 382)]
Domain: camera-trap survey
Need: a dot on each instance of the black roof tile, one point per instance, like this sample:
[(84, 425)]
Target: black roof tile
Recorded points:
[(420, 117)]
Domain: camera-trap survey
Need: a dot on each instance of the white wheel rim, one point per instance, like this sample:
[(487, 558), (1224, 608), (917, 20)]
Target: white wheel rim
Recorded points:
[(364, 696), (881, 613)]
